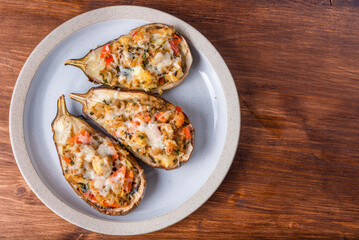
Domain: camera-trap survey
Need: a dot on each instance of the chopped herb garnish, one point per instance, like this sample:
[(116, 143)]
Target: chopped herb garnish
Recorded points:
[(144, 55), (105, 81), (141, 136), (176, 151), (104, 101), (72, 162)]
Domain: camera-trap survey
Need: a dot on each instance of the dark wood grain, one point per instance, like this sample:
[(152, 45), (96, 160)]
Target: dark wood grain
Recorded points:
[(295, 65)]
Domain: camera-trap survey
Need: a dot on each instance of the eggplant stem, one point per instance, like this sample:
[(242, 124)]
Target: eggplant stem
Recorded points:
[(61, 107), (80, 63), (81, 98)]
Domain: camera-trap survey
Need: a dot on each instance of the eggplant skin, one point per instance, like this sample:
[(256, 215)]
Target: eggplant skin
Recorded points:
[(184, 51), (82, 98), (140, 177)]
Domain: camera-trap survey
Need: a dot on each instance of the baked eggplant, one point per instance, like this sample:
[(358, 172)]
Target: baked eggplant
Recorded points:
[(100, 171), (154, 130), (151, 58)]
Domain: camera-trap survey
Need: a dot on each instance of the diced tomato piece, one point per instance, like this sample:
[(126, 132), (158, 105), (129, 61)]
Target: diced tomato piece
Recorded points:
[(176, 40), (67, 160), (128, 186), (178, 109), (108, 60), (82, 136), (93, 198), (129, 180), (134, 33), (105, 203), (114, 205), (129, 175), (187, 133), (105, 51), (73, 139), (174, 48), (121, 170)]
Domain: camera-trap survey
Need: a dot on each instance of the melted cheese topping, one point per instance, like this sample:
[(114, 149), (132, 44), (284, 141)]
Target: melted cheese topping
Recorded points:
[(147, 125), (147, 58), (97, 168)]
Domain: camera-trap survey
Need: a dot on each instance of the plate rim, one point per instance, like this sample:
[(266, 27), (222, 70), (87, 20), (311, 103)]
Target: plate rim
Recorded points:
[(17, 107)]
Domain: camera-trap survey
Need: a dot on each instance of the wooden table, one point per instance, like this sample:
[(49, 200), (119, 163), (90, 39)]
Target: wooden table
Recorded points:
[(296, 67)]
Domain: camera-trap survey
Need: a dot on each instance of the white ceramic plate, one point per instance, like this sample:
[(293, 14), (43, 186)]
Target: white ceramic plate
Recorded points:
[(208, 96)]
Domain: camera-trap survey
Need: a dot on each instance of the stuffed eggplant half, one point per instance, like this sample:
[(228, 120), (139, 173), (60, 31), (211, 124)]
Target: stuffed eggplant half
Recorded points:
[(100, 171), (154, 130), (152, 58)]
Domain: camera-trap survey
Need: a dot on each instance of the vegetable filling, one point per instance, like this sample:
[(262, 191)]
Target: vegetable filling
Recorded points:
[(147, 58), (98, 169), (153, 129)]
